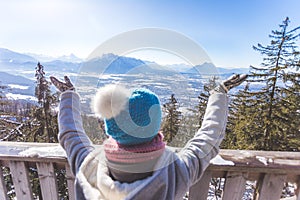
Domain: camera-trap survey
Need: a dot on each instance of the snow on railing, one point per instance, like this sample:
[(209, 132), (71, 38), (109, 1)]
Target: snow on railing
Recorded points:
[(45, 158), (266, 170)]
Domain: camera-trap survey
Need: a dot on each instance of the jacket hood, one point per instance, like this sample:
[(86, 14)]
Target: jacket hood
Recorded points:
[(96, 183), (93, 177)]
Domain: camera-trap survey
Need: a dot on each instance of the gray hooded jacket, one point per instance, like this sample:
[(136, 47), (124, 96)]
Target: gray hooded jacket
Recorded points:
[(174, 173)]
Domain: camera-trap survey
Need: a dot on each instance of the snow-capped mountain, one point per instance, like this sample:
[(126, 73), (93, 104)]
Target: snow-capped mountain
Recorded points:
[(65, 58), (14, 57), (111, 64)]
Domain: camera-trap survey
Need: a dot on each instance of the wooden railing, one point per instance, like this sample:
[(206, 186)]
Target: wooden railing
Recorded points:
[(19, 158), (267, 170)]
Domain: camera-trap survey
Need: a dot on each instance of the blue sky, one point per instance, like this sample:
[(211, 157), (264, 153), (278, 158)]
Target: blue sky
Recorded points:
[(225, 29)]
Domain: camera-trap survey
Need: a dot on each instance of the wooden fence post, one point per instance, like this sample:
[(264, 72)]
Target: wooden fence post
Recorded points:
[(199, 190), (19, 173), (47, 180), (271, 187), (70, 182), (234, 186), (3, 190), (297, 192)]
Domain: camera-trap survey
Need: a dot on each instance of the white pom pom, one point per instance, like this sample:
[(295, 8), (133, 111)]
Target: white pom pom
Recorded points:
[(110, 101)]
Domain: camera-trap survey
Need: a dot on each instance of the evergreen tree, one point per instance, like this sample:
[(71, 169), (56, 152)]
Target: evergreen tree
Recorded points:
[(241, 116), (291, 113), (1, 92), (3, 100), (44, 115), (171, 122), (270, 111)]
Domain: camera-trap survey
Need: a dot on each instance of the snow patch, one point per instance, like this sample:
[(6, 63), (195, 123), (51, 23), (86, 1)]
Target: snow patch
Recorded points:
[(20, 96), (43, 152), (22, 87), (218, 160), (262, 159)]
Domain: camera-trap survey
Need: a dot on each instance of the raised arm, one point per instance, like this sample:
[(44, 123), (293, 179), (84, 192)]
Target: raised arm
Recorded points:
[(205, 144), (71, 136)]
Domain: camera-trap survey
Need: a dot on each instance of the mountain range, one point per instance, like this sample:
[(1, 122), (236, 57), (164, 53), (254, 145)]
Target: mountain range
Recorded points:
[(65, 58), (19, 68), (107, 63)]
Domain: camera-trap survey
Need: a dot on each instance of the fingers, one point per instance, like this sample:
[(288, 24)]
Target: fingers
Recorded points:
[(235, 80), (240, 79), (231, 80), (52, 78), (69, 83), (55, 81), (58, 84), (233, 77), (62, 86), (243, 77), (67, 80)]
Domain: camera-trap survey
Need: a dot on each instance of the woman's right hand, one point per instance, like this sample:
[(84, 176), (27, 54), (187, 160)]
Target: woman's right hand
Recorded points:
[(62, 86)]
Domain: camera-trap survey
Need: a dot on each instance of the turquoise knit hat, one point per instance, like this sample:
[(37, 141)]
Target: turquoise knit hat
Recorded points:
[(130, 116)]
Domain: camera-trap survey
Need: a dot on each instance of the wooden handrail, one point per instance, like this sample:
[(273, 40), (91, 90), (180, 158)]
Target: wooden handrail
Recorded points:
[(45, 157), (270, 170)]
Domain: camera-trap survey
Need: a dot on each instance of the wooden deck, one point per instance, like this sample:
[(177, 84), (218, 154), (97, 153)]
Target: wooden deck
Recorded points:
[(270, 170)]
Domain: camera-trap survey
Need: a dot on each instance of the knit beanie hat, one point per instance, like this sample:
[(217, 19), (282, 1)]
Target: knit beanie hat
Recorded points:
[(131, 116)]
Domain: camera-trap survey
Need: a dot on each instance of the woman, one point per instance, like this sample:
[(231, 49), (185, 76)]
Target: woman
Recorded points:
[(134, 162)]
